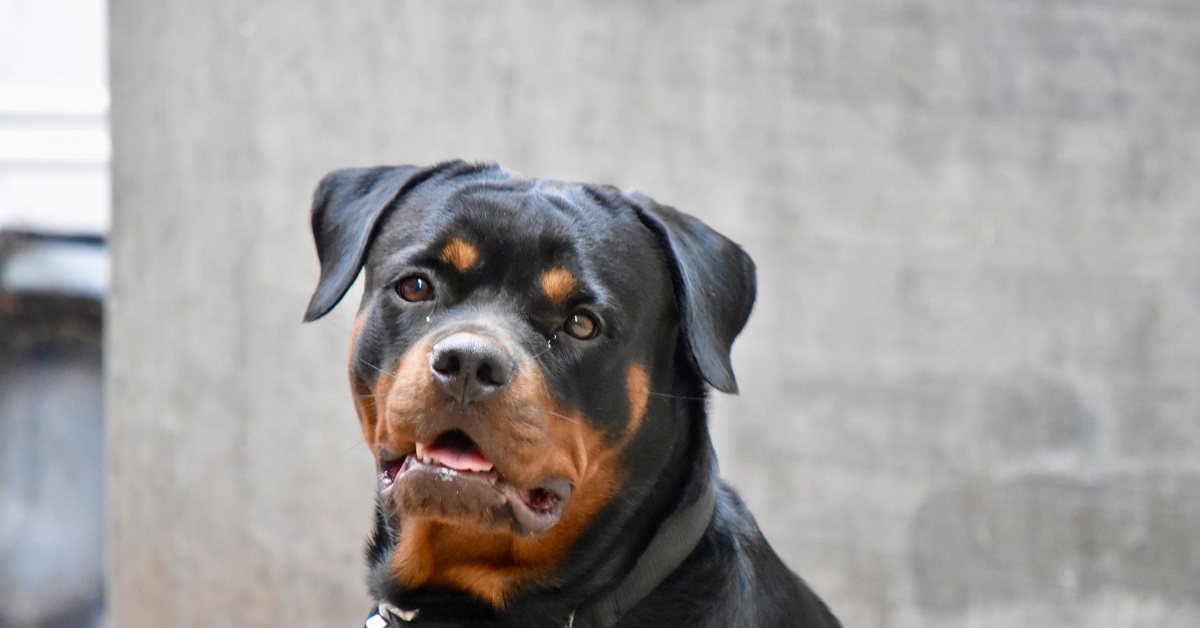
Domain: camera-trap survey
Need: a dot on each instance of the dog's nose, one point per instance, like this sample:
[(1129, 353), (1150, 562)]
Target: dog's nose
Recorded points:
[(469, 367)]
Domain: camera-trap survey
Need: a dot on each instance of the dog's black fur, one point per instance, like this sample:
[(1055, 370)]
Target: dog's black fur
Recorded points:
[(669, 295)]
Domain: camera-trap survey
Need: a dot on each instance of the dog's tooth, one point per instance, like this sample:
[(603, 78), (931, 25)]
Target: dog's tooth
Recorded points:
[(421, 452)]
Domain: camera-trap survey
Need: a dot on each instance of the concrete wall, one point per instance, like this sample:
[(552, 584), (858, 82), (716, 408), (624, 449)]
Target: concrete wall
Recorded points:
[(971, 389)]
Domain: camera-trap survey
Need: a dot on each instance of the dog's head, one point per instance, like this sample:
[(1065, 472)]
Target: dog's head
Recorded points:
[(511, 337)]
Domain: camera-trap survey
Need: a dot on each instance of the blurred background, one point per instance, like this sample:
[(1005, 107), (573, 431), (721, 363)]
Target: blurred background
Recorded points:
[(54, 216), (970, 388)]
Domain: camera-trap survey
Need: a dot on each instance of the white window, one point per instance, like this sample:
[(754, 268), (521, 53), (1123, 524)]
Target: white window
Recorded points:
[(54, 142)]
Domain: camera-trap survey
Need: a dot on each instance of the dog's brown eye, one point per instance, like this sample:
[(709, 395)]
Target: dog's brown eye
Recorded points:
[(582, 325), (415, 289)]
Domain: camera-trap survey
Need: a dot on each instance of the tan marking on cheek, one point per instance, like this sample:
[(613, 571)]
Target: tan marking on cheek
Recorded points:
[(355, 330), (596, 476), (460, 254), (557, 284), (639, 393), (364, 394), (403, 390), (370, 402)]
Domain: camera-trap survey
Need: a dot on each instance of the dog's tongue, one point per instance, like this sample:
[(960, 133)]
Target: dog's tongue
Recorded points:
[(457, 451), (459, 460)]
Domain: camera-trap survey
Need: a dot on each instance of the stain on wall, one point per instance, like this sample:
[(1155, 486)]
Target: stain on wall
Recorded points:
[(1057, 540)]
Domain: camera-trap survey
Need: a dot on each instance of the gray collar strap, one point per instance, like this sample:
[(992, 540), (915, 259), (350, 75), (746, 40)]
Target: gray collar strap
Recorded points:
[(674, 541)]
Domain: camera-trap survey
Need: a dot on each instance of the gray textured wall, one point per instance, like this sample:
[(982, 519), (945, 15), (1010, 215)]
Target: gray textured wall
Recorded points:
[(971, 389)]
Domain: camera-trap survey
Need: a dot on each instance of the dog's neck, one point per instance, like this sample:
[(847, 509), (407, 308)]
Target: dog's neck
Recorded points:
[(602, 557)]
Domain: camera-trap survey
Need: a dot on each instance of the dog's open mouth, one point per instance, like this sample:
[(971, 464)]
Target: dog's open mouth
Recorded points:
[(451, 477)]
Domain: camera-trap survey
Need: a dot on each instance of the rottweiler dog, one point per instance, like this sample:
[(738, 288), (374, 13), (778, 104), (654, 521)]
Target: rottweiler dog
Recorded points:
[(529, 367)]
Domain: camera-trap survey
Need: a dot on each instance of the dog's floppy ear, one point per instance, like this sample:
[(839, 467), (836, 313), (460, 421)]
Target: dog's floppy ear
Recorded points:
[(346, 207), (714, 286)]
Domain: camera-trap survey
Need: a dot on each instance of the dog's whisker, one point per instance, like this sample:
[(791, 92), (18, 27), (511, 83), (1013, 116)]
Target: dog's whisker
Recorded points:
[(331, 323), (571, 419), (548, 349), (361, 361), (377, 368), (670, 396), (533, 426), (325, 400)]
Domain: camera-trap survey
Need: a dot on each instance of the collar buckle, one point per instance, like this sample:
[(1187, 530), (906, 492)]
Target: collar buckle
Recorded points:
[(387, 612)]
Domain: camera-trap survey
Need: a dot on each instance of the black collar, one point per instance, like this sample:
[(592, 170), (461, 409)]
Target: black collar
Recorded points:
[(674, 541), (676, 538)]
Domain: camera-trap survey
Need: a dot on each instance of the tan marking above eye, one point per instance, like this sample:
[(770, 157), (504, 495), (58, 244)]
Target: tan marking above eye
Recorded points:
[(638, 383), (557, 284), (460, 254)]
